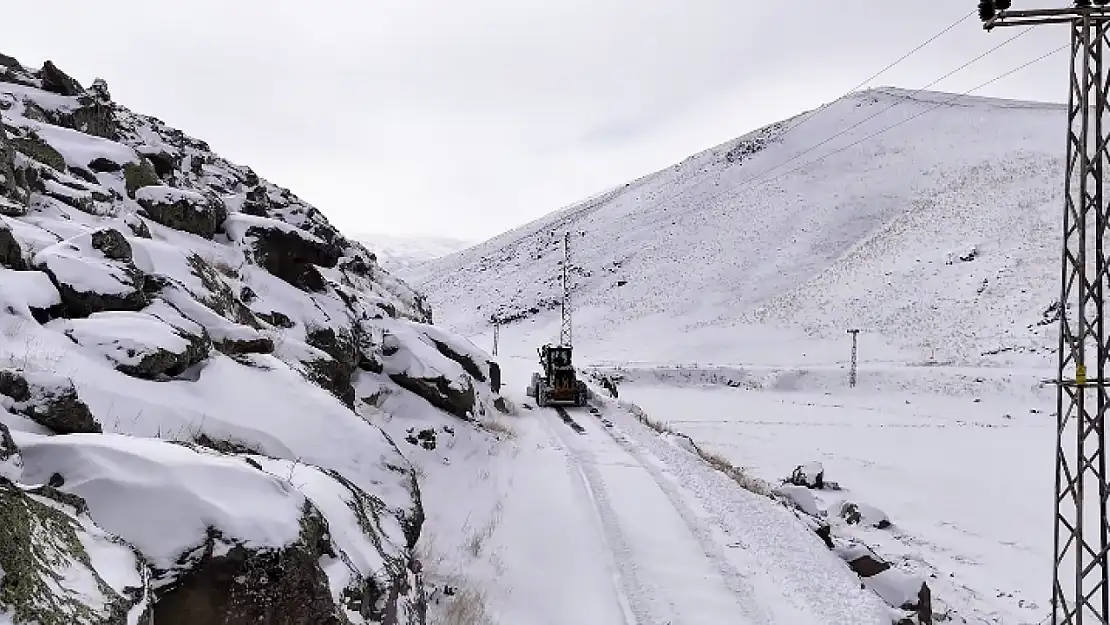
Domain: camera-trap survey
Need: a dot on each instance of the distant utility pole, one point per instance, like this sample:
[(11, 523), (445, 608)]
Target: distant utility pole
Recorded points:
[(852, 369), (1080, 585), (496, 333)]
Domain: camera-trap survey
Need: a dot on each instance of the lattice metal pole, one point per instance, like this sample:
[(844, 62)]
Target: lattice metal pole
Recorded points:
[(565, 330), (1080, 588), (852, 368)]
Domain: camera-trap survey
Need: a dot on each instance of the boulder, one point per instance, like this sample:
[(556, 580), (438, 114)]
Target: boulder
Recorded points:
[(102, 165), (112, 244), (11, 254), (13, 194), (243, 586), (289, 253), (809, 475), (46, 538), (36, 148), (49, 400), (439, 392), (183, 210), (139, 175), (89, 280), (55, 80), (142, 344), (11, 464), (863, 514)]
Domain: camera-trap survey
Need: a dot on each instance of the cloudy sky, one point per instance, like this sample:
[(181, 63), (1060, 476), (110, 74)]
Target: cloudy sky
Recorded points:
[(464, 118)]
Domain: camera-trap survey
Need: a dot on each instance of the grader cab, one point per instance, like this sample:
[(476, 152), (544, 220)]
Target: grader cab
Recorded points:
[(557, 384)]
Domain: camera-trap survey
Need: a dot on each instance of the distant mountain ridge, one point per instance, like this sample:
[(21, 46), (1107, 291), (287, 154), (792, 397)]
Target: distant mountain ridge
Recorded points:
[(397, 252)]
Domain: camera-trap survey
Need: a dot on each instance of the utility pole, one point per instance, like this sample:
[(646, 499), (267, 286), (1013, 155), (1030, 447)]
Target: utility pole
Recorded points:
[(1080, 588), (496, 333), (852, 369), (565, 329)]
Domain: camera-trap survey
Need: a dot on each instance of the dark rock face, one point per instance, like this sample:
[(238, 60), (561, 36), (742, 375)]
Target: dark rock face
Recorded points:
[(466, 362), (333, 376), (494, 376), (292, 257), (234, 347), (11, 254), (439, 393), (139, 175), (49, 400), (11, 464), (55, 80), (13, 195), (252, 587), (868, 566), (112, 244), (102, 165), (35, 148), (201, 215)]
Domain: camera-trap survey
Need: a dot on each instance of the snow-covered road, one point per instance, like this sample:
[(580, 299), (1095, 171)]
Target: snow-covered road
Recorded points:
[(619, 526), (668, 572)]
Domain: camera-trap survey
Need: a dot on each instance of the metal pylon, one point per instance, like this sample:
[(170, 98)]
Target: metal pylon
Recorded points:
[(565, 329), (1080, 588)]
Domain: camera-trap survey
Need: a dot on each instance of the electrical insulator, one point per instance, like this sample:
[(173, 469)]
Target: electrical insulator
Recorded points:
[(986, 9)]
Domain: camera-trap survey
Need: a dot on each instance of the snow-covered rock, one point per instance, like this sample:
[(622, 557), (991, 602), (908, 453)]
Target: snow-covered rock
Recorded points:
[(57, 566), (11, 462), (150, 289)]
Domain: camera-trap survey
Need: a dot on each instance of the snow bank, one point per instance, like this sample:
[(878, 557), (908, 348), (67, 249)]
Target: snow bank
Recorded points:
[(162, 497)]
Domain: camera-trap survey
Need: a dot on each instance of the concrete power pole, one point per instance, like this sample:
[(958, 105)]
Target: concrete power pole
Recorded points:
[(1080, 588), (852, 369), (496, 336)]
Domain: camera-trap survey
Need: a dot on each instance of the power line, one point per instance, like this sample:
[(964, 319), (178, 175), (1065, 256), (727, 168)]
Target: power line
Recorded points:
[(897, 103), (919, 114), (884, 70)]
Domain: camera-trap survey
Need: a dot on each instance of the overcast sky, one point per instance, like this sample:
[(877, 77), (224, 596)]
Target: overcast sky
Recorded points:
[(465, 118)]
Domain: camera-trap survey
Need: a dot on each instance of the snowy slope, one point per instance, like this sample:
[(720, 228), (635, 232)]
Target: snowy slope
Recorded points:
[(936, 238), (204, 381), (398, 253)]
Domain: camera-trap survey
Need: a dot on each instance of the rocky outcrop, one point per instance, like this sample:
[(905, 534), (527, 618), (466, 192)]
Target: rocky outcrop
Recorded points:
[(55, 80), (247, 586), (90, 279), (11, 464), (49, 400), (141, 344), (43, 539), (439, 392), (139, 175), (292, 255), (11, 253), (187, 211), (13, 195)]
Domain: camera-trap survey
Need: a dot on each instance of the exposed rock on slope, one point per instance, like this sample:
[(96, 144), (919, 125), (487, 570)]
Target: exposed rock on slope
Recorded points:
[(150, 289)]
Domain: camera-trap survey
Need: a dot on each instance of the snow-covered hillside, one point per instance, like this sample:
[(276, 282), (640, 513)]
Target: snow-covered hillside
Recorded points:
[(718, 293), (397, 253), (214, 407), (937, 239)]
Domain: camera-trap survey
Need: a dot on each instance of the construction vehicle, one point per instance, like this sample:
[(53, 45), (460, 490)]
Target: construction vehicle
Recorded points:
[(557, 384)]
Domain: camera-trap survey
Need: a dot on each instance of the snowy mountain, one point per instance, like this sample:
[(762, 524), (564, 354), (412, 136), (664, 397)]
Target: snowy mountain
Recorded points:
[(214, 407), (936, 238), (396, 253), (717, 295)]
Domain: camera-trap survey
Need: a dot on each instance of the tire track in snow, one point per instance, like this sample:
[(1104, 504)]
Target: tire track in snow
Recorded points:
[(647, 580), (622, 573)]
